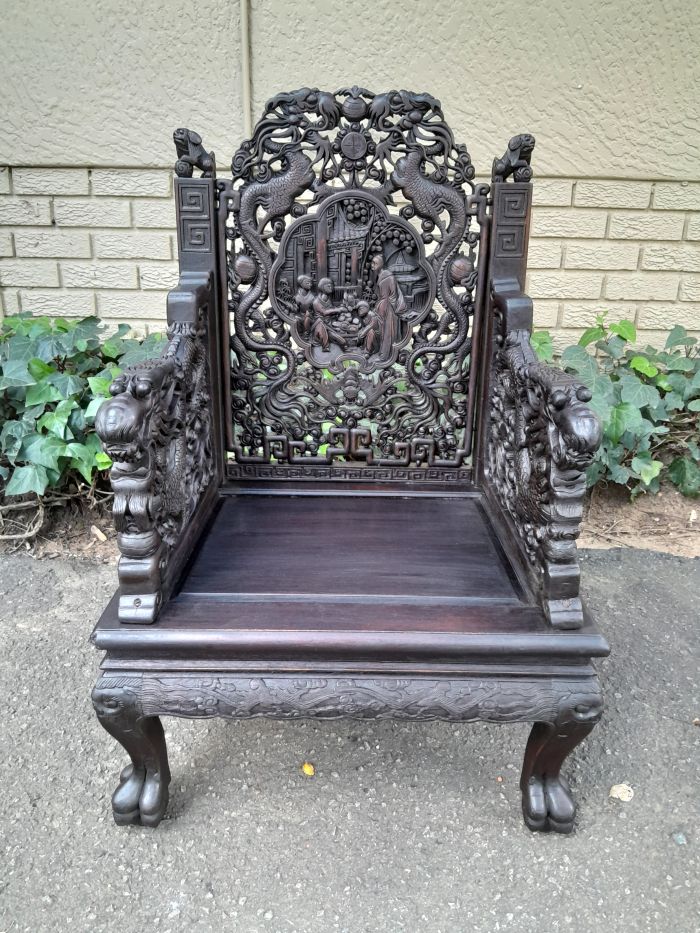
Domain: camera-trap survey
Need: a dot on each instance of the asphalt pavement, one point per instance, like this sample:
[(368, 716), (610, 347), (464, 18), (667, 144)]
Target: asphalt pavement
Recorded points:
[(404, 826)]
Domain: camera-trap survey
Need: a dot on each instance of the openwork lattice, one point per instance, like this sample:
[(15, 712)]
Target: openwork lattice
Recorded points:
[(353, 229)]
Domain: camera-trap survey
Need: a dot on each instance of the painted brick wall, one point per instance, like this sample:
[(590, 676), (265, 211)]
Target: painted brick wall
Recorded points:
[(85, 241)]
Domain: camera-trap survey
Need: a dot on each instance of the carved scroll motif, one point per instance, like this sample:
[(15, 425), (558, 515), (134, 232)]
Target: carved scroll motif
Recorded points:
[(348, 314)]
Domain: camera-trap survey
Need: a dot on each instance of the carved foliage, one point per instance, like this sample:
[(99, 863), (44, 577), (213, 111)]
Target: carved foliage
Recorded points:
[(542, 438), (157, 431), (337, 330), (419, 698)]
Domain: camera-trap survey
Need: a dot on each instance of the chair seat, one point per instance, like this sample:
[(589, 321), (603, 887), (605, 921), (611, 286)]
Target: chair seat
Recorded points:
[(387, 576)]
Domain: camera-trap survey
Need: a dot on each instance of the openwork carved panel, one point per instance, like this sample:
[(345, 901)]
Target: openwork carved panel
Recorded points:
[(353, 227)]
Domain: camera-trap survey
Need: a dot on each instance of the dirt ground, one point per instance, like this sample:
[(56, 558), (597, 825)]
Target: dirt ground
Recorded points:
[(668, 523)]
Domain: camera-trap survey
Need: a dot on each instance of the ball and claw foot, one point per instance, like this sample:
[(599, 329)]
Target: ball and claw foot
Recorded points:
[(141, 798), (548, 805)]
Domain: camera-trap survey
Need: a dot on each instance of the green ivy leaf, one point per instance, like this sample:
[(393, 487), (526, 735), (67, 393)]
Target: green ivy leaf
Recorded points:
[(673, 401), (93, 407), (44, 449), (11, 436), (39, 369), (580, 361), (615, 347), (694, 405), (619, 474), (686, 475), (638, 393), (679, 338), (24, 479), (642, 365), (51, 347), (680, 364), (541, 343), (82, 458), (590, 335), (43, 393), (15, 374), (623, 417), (625, 330), (56, 422), (67, 384), (99, 385), (647, 468), (102, 461)]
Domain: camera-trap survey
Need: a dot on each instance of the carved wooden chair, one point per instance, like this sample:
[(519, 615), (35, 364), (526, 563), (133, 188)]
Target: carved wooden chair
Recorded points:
[(348, 487)]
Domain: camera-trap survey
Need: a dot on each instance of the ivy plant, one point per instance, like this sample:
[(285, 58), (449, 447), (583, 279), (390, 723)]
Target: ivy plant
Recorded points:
[(648, 402), (54, 375)]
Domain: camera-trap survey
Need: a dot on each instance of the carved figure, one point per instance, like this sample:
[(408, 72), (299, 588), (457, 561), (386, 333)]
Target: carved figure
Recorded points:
[(516, 160), (304, 300), (390, 306), (323, 310), (370, 333), (191, 154)]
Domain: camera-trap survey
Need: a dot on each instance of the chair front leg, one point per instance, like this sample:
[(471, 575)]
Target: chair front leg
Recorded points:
[(547, 800), (141, 797)]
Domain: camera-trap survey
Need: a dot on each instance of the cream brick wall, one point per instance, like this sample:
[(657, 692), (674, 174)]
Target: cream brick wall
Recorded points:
[(101, 241), (87, 241)]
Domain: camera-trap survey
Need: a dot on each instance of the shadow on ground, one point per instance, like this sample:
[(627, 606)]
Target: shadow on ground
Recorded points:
[(405, 826)]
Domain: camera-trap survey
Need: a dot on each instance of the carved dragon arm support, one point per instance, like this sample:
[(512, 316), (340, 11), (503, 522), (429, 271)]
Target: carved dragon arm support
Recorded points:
[(157, 429), (542, 437)]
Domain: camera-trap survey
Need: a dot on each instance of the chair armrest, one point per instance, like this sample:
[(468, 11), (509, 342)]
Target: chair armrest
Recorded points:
[(157, 429), (542, 436)]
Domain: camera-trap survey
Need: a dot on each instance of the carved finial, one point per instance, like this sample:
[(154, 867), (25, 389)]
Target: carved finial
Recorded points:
[(515, 160), (191, 154)]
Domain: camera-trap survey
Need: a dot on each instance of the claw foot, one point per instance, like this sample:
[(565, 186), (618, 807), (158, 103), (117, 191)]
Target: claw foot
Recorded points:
[(548, 805), (141, 798)]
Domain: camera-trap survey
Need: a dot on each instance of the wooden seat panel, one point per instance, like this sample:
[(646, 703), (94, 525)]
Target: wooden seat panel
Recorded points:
[(353, 549)]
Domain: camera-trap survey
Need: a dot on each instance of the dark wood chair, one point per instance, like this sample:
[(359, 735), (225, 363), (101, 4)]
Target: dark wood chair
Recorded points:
[(348, 487)]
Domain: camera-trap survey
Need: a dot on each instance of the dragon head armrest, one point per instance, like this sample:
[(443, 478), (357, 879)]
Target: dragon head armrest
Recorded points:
[(134, 417), (574, 430)]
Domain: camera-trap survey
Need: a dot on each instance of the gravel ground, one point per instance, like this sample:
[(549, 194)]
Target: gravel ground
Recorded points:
[(405, 826)]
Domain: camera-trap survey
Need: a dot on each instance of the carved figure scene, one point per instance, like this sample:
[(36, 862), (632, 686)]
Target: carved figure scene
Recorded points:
[(361, 283)]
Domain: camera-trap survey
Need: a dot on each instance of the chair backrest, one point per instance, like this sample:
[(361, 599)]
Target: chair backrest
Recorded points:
[(353, 263), (353, 247)]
